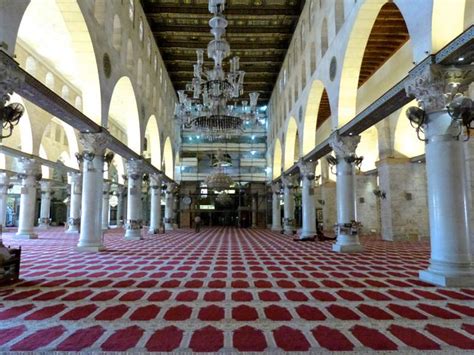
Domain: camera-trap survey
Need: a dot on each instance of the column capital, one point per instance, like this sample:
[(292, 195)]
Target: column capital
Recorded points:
[(27, 167), (343, 146), (276, 187), (288, 181), (134, 169), (171, 188), (307, 169), (93, 143), (10, 78), (45, 186), (155, 180), (74, 177), (435, 85)]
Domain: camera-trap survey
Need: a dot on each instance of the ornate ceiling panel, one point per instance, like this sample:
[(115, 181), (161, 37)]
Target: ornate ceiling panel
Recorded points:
[(259, 32)]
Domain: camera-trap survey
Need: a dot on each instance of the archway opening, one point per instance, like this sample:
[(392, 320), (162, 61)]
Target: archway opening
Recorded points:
[(168, 166), (152, 148), (56, 32), (277, 159), (291, 143), (124, 122)]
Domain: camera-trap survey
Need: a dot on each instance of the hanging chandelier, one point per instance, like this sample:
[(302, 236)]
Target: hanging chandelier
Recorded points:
[(219, 181), (216, 108)]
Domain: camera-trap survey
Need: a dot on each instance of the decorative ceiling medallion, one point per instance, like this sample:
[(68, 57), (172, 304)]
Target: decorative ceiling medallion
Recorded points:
[(107, 65), (333, 68)]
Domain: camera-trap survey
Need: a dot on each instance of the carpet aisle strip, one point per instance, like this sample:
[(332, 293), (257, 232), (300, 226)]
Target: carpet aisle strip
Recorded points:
[(228, 289)]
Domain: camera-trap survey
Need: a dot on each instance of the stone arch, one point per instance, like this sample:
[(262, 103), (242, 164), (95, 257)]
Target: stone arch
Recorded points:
[(152, 135), (99, 11), (312, 118), (31, 66), (277, 157), (353, 57), (72, 143), (290, 143), (57, 31), (168, 166), (324, 37), (123, 110), (78, 103), (120, 167), (147, 86), (117, 33), (44, 169)]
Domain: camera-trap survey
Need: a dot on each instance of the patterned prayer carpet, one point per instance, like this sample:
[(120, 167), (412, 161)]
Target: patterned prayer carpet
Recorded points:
[(228, 290)]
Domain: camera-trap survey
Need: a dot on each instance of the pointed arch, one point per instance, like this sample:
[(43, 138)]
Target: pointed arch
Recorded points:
[(291, 143), (152, 135), (168, 166), (277, 157), (311, 115), (123, 110)]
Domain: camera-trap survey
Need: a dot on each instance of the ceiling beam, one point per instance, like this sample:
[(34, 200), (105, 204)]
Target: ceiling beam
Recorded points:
[(186, 45), (153, 9)]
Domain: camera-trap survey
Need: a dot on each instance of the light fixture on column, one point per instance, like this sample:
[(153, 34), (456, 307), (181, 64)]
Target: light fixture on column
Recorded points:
[(380, 194), (461, 108), (10, 116), (216, 108), (354, 159), (417, 118), (332, 161)]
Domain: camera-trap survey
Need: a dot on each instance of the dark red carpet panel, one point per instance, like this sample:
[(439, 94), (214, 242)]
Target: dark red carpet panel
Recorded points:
[(229, 290)]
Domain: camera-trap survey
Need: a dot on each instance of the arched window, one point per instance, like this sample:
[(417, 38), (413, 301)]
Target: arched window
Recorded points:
[(65, 93), (49, 80), (313, 58), (31, 65), (129, 54), (131, 9), (117, 33), (140, 30)]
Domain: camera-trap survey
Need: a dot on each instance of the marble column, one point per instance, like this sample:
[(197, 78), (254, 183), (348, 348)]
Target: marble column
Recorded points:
[(307, 174), (451, 262), (91, 235), (155, 203), (74, 218), (4, 186), (120, 212), (169, 203), (133, 227), (289, 184), (276, 209), (29, 174), (254, 210), (347, 229), (105, 205), (45, 206)]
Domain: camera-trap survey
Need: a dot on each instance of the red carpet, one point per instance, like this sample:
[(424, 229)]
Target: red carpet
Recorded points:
[(229, 290)]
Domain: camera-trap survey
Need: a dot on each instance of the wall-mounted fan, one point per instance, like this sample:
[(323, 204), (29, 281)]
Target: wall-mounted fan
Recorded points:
[(10, 116)]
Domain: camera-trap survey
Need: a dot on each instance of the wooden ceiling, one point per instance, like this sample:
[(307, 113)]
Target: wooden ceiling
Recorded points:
[(259, 32), (388, 35)]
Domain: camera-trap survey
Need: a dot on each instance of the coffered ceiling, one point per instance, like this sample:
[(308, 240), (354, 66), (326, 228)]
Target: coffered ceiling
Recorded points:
[(259, 32)]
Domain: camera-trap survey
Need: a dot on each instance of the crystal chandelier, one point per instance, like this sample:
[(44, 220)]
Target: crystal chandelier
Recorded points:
[(224, 199), (216, 108), (219, 181)]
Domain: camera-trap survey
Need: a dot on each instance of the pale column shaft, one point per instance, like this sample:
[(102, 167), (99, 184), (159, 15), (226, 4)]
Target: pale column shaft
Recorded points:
[(276, 210), (105, 206), (28, 175), (155, 204), (254, 211), (307, 173), (120, 206), (346, 228), (169, 207), (45, 206), (448, 202), (75, 203), (4, 186), (134, 200), (91, 235), (289, 185)]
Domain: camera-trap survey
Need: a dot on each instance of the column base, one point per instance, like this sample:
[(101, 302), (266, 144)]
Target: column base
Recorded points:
[(444, 280), (105, 228), (169, 226), (26, 235), (347, 248), (91, 248), (302, 238), (307, 235), (153, 230), (133, 234)]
